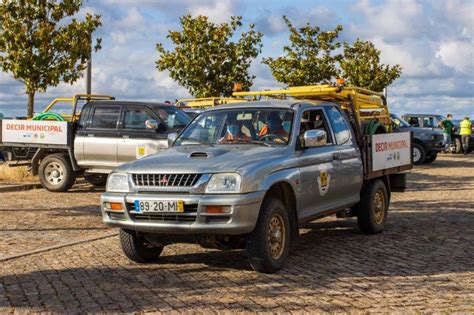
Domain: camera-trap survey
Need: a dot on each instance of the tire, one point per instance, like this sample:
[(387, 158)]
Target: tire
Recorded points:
[(372, 209), (137, 248), (419, 154), (98, 180), (431, 158), (264, 254), (56, 173), (457, 145)]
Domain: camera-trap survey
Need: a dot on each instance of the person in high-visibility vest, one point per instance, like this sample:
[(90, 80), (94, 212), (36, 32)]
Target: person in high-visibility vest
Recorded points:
[(465, 132)]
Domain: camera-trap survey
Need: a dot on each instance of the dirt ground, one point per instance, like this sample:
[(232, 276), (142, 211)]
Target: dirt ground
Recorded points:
[(423, 262)]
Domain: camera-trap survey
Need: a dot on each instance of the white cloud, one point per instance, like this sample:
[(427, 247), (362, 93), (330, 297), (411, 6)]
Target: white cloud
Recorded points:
[(218, 11), (458, 55)]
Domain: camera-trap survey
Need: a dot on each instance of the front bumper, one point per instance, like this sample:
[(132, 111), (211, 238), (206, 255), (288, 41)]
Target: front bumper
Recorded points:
[(243, 215), (435, 145)]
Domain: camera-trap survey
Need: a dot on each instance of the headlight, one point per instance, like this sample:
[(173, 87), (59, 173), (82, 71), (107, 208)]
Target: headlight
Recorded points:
[(224, 183), (117, 182)]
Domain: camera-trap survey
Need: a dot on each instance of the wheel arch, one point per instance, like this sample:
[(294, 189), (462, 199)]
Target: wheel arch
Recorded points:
[(284, 191)]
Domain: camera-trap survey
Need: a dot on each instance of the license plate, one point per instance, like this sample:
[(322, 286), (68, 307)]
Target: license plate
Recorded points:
[(159, 206)]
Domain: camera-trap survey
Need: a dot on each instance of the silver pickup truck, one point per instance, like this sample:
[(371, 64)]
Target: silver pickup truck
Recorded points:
[(245, 176)]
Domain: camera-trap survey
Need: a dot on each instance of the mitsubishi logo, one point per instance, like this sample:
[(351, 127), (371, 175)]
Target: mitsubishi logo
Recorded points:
[(164, 180)]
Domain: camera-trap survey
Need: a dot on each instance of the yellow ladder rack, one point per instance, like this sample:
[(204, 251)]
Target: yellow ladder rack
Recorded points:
[(364, 104), (209, 101)]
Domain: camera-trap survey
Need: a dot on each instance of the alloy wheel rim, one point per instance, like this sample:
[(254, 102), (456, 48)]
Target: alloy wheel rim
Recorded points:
[(276, 236), (416, 154), (379, 206), (54, 173)]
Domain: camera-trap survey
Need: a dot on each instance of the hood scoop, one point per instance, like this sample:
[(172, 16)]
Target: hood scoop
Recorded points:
[(202, 155)]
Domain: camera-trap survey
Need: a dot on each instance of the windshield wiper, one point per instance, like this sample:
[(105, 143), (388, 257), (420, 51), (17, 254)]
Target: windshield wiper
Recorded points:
[(254, 142)]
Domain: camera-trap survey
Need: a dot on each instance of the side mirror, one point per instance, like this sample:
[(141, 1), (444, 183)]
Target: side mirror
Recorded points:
[(152, 124), (314, 138), (171, 138)]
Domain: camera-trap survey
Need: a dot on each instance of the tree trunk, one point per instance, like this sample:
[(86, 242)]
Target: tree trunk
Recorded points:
[(31, 104)]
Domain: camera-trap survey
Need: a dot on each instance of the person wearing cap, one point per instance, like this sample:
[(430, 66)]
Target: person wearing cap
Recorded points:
[(465, 133)]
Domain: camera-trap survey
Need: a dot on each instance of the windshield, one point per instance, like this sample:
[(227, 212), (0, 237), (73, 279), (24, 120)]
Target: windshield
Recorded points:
[(398, 121), (257, 126), (173, 117)]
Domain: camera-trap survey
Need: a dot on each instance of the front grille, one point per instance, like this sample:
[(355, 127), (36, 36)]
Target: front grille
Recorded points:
[(189, 215), (165, 180)]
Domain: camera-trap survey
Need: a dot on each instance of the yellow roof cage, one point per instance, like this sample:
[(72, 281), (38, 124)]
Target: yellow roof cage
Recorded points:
[(363, 103), (73, 100), (209, 101)]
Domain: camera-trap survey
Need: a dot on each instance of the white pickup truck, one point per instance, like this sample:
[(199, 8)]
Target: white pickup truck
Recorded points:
[(91, 141)]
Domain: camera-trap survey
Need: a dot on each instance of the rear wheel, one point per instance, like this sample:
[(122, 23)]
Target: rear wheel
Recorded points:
[(98, 180), (372, 209), (419, 154), (457, 145), (431, 158), (137, 248), (56, 173), (268, 244)]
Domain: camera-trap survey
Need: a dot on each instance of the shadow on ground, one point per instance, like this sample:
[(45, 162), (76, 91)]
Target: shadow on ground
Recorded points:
[(415, 243)]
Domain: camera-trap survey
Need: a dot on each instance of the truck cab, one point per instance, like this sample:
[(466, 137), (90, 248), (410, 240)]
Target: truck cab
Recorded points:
[(110, 133)]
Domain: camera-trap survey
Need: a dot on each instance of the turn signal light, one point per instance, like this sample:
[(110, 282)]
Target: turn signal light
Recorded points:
[(340, 82), (115, 206), (217, 209)]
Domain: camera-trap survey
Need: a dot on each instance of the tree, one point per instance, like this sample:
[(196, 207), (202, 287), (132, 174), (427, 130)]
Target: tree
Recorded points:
[(309, 59), (205, 60), (361, 66), (42, 43)]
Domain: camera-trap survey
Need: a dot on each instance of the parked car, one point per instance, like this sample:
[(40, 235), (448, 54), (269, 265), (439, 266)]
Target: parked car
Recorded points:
[(432, 121), (107, 134), (246, 175), (427, 142)]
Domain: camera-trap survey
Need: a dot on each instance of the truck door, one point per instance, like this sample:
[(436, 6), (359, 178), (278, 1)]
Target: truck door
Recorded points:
[(321, 180), (101, 136), (136, 140), (347, 158)]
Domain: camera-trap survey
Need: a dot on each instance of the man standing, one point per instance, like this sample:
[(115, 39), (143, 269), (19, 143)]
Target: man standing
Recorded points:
[(448, 127), (465, 132)]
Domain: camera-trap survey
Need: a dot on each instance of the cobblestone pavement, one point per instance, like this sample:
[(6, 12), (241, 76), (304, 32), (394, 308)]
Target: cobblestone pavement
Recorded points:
[(423, 262)]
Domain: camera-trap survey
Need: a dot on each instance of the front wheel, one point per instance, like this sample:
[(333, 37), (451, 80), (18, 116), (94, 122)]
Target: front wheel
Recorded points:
[(268, 244), (98, 180), (431, 158), (419, 154), (56, 173), (372, 209), (137, 248)]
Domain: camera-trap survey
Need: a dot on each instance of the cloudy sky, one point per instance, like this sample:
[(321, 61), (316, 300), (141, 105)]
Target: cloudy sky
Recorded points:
[(432, 40)]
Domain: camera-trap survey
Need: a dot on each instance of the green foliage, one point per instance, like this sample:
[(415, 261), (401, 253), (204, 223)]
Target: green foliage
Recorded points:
[(42, 43), (361, 66), (314, 57), (205, 60), (309, 59)]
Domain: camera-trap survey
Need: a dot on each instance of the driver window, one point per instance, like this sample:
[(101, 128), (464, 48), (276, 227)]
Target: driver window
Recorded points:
[(314, 119)]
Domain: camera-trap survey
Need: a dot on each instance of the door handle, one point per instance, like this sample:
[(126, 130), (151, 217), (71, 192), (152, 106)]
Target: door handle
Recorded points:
[(90, 134), (337, 156), (125, 136)]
